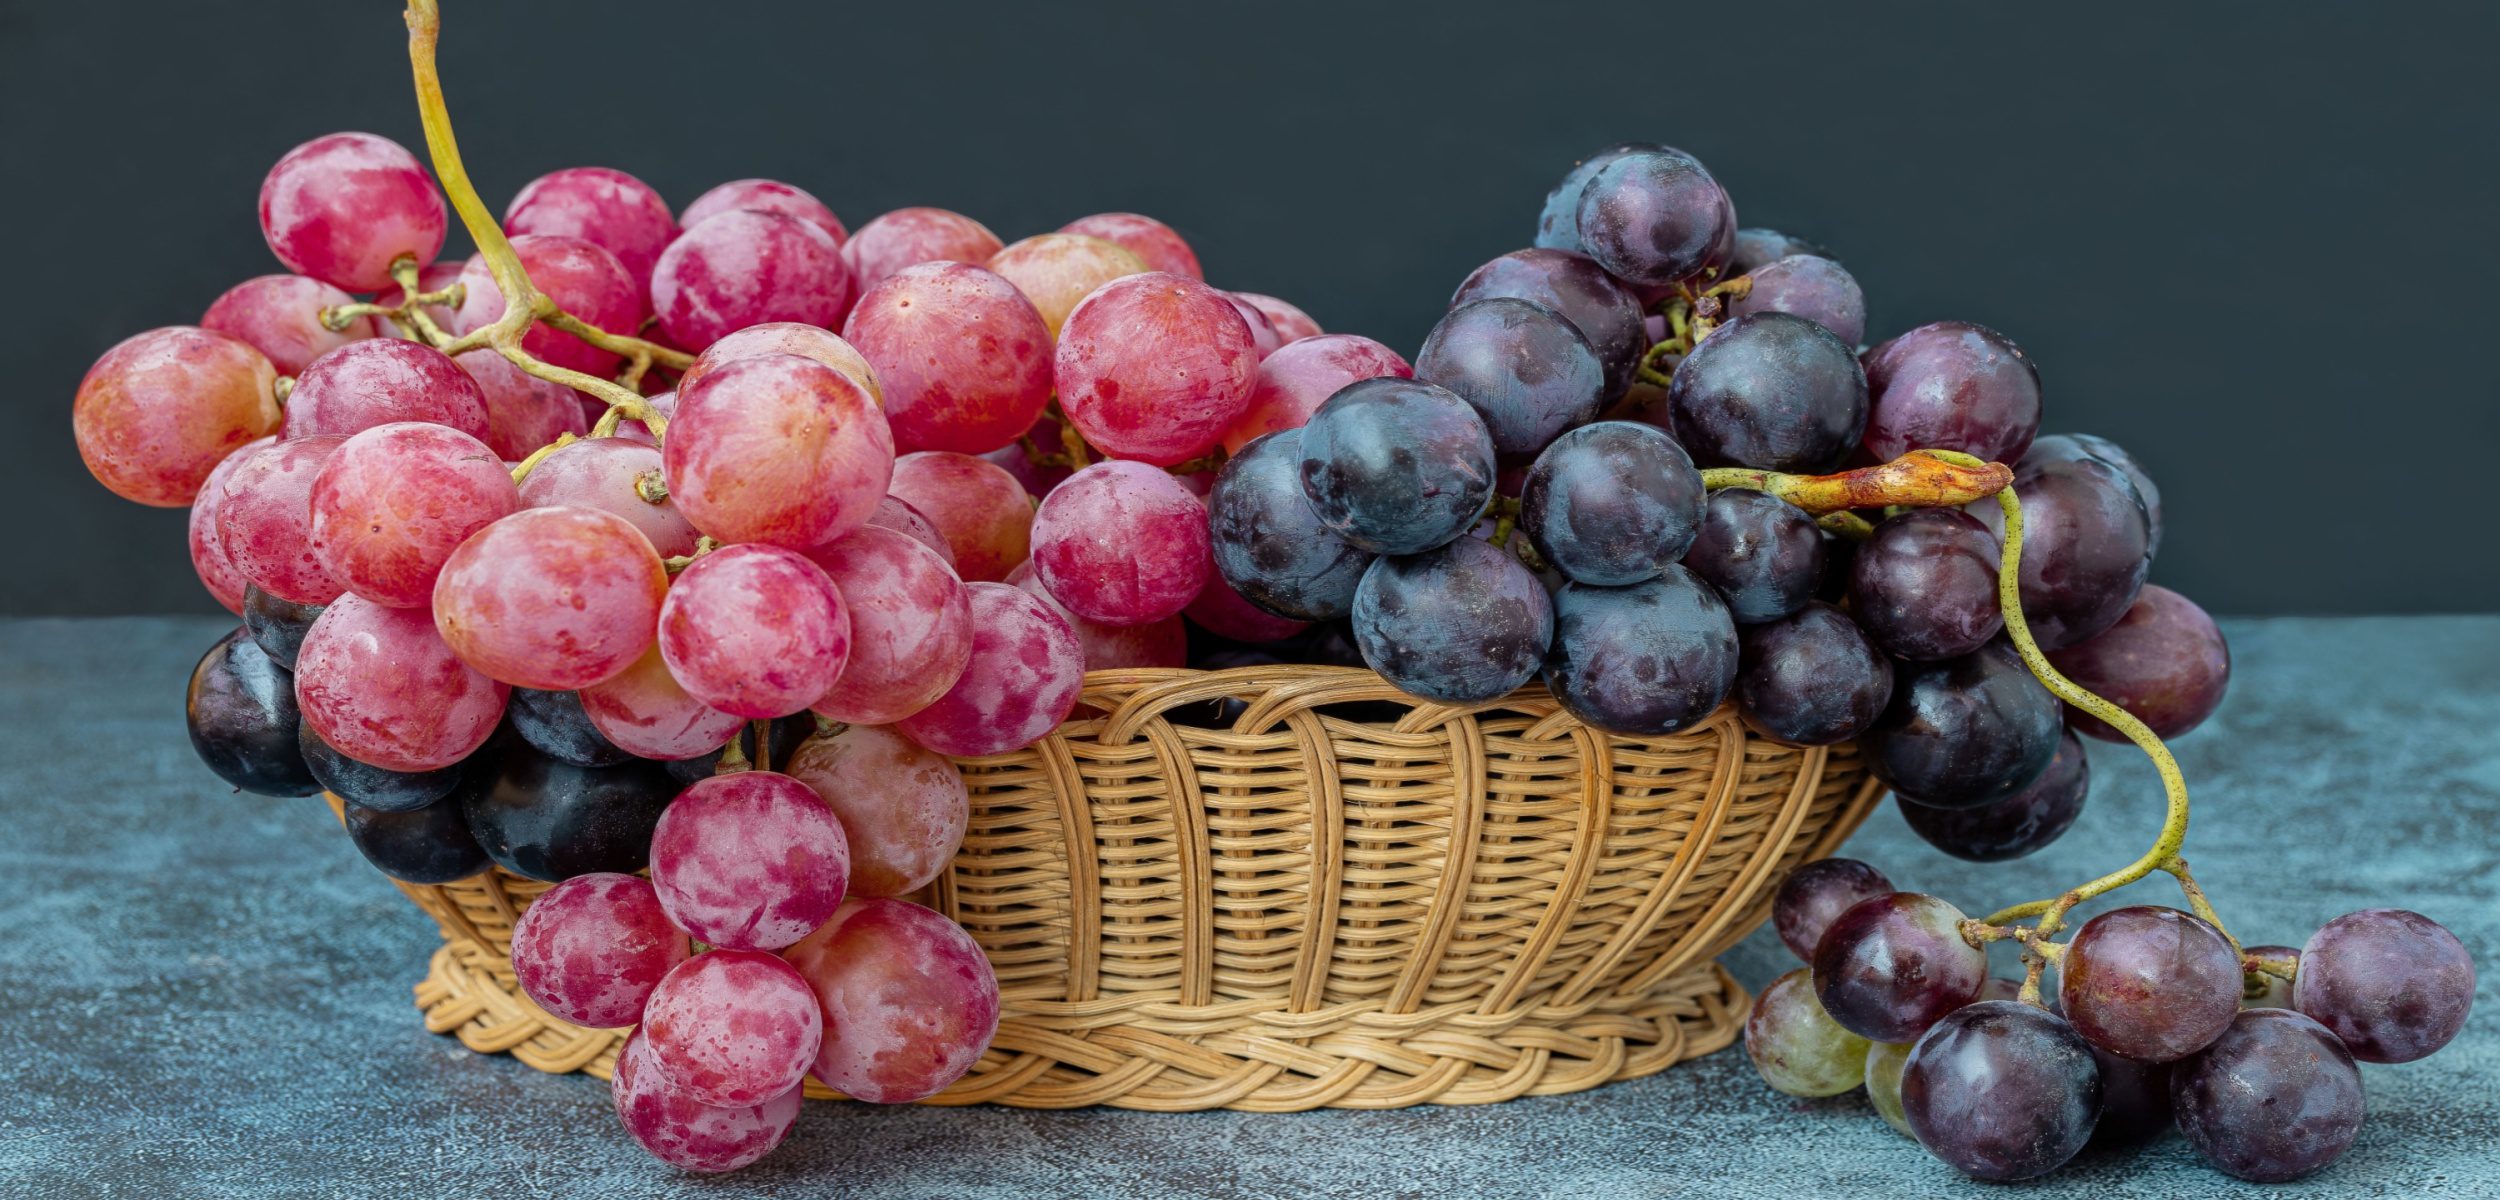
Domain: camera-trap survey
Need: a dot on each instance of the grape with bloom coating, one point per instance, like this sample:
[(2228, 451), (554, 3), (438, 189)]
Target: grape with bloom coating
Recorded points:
[(1159, 245), (265, 520), (551, 598), (733, 1027), (2001, 1090), (545, 819), (379, 684), (750, 860), (343, 208), (2165, 661), (1604, 311), (1808, 286), (1796, 1048), (742, 268), (380, 381), (1655, 216), (605, 474), (1291, 323), (1462, 624), (985, 515), (1889, 967), (755, 630), (2154, 984), (778, 449), (1397, 466), (1524, 368), (964, 359), (600, 205), (581, 277), (2015, 826), (523, 412), (157, 412), (1268, 544), (909, 236), (1163, 643), (224, 580), (1026, 670), (1154, 367), (686, 1133), (2087, 546), (1122, 543), (1951, 385), (280, 316), (1294, 381), (1612, 503), (1965, 731), (644, 710), (590, 949), (1769, 390), (2392, 985), (1762, 553), (1760, 247), (1057, 270), (2060, 446), (1558, 223), (554, 724), (2275, 1098), (391, 504), (909, 1001), (902, 808), (911, 626), (765, 195), (1649, 658), (1811, 678), (1925, 585), (1815, 894), (787, 337)]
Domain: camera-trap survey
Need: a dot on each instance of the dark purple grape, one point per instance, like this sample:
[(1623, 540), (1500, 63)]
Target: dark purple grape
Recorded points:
[(1558, 225), (1951, 385), (1758, 247), (1646, 659), (2135, 1099), (1965, 731), (1461, 624), (551, 820), (1892, 966), (2058, 446), (2001, 1090), (1612, 503), (2087, 545), (2164, 661), (428, 844), (241, 712), (554, 725), (1600, 307), (1652, 217), (371, 787), (1523, 367), (2015, 826), (1772, 391), (1811, 678), (2274, 1098), (1396, 466), (278, 625), (2394, 985), (1925, 586), (1763, 554), (2261, 990), (1268, 543), (1817, 893), (1808, 286), (2152, 983)]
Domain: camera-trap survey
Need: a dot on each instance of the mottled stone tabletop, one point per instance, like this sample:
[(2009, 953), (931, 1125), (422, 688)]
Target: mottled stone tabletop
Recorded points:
[(208, 993)]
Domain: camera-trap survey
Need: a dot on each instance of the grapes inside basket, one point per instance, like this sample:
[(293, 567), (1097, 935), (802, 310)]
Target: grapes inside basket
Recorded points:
[(601, 560)]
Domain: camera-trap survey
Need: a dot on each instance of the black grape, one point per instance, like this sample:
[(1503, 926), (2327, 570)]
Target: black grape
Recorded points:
[(1653, 217), (1596, 303), (2017, 825), (1650, 658), (1925, 585), (1397, 466), (2135, 1099), (1758, 247), (1951, 385), (241, 712), (2393, 985), (1965, 731), (1772, 391), (2001, 1090), (1811, 678), (1558, 225), (428, 844), (1461, 624), (1764, 554), (2274, 1098), (1612, 503), (1527, 371), (1268, 543), (1815, 894), (1805, 285), (372, 787), (2060, 446), (2087, 546), (554, 724), (278, 625), (551, 820)]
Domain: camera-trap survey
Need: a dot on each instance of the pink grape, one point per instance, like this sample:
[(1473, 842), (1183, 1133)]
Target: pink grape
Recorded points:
[(788, 337), (749, 861), (603, 473), (985, 514), (1292, 324), (393, 502), (216, 568), (1026, 671), (911, 236), (523, 412), (158, 412), (1889, 967), (600, 205), (755, 630), (1264, 340), (686, 1133), (1163, 643), (1056, 270), (777, 449), (1122, 543), (1158, 244), (280, 316), (1221, 611), (265, 520), (912, 523), (379, 381), (582, 278), (964, 359), (647, 713), (909, 1002), (731, 1028), (911, 626), (551, 598), (1154, 367), (379, 685), (343, 208), (902, 807), (1294, 381), (1037, 479), (765, 195), (743, 268), (590, 949)]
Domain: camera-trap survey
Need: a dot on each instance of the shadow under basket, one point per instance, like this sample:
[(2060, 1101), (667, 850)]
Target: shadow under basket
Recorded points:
[(1283, 888)]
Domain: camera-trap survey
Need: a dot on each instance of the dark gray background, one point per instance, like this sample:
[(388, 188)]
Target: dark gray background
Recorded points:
[(2252, 243)]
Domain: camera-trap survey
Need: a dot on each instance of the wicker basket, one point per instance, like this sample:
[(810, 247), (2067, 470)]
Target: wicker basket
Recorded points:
[(1341, 897)]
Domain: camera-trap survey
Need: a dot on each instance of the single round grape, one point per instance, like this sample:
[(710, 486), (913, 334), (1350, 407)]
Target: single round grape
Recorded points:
[(1220, 610), (2165, 661), (1523, 367), (1889, 967), (787, 337), (732, 1027), (749, 861), (1462, 624), (1264, 340), (1925, 585), (551, 598), (1026, 670), (1642, 660), (909, 1001), (242, 717), (379, 684), (908, 236), (600, 205), (1762, 553), (280, 316), (1816, 893), (429, 844), (264, 520), (523, 412), (160, 410), (1605, 312), (1269, 546), (1154, 367), (1653, 217), (755, 630), (2135, 1099), (609, 474), (1158, 244), (1291, 323), (2058, 446), (1811, 678), (2152, 983), (1121, 543), (581, 277), (2261, 990), (225, 581), (380, 381), (278, 625), (2015, 826), (1163, 643), (1759, 247), (551, 820), (2001, 1090), (391, 504), (645, 711), (1808, 286), (555, 724), (1796, 1048), (964, 359), (1769, 390), (2393, 985), (343, 208), (902, 518), (590, 949), (1558, 224), (1397, 466), (986, 515), (371, 787), (1965, 731), (2273, 1099), (1057, 270), (2087, 546), (742, 268), (1294, 381), (686, 1133), (1952, 385), (902, 808), (911, 626), (765, 195), (778, 449), (1884, 1061)]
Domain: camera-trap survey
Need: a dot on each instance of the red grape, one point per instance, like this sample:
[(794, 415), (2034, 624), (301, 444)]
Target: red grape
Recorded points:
[(590, 949), (161, 409), (788, 337), (280, 316), (686, 1133), (1122, 543), (1925, 585), (1056, 270), (1264, 340), (265, 520), (646, 712), (911, 626), (1817, 893), (379, 381), (1889, 967), (1293, 382), (600, 205), (1951, 385), (2001, 1090), (765, 195), (1026, 671), (380, 686), (523, 412), (731, 1028), (216, 568), (749, 861), (2165, 661), (342, 208), (743, 268), (2393, 985), (1795, 1047), (909, 1001), (755, 630), (2151, 983), (903, 808), (912, 523), (964, 358), (603, 473), (1163, 643), (985, 514), (391, 504), (910, 236), (551, 598), (581, 277), (778, 449), (1151, 240), (1154, 367), (2274, 1098), (1220, 610), (1292, 324), (2087, 546)]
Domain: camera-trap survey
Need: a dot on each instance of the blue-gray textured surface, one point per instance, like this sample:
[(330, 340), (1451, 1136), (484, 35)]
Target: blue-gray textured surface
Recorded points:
[(207, 994)]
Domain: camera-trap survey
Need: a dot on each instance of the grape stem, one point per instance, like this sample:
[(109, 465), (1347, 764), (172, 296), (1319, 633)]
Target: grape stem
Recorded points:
[(527, 465), (1922, 478)]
